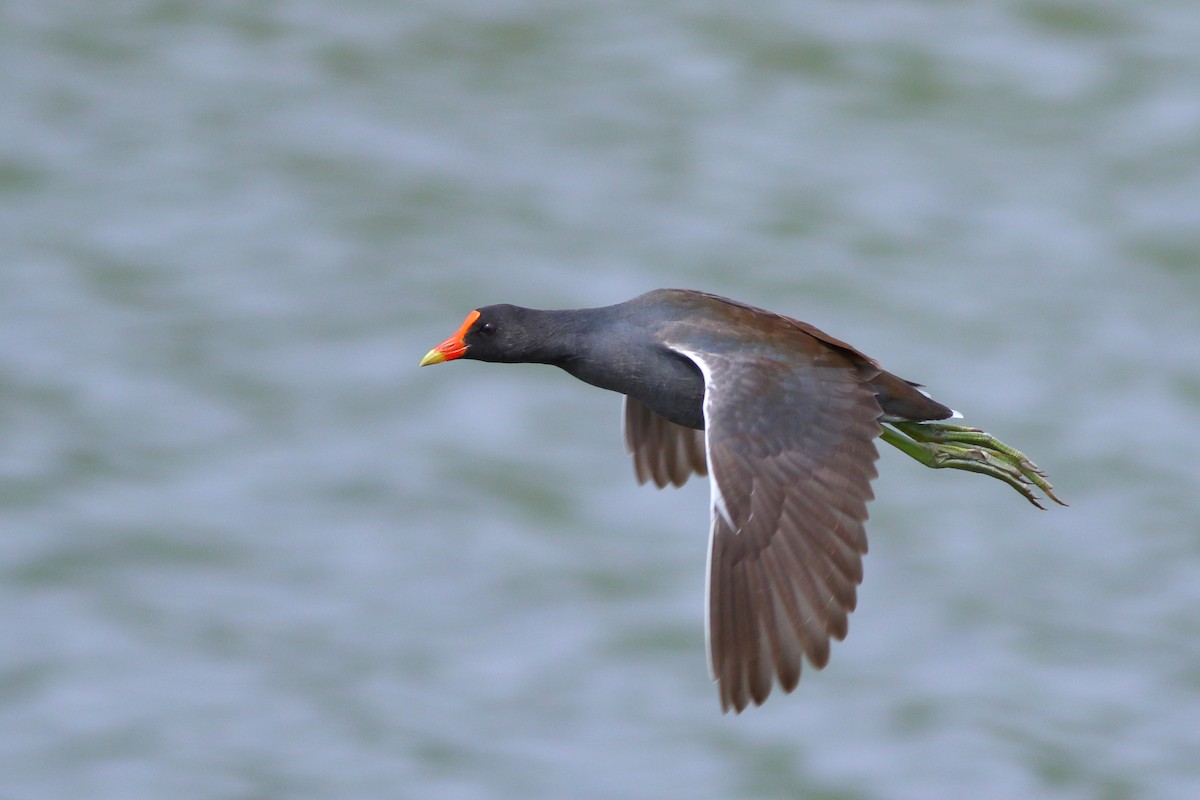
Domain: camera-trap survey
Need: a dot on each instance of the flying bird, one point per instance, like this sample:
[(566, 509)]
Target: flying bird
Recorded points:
[(782, 418)]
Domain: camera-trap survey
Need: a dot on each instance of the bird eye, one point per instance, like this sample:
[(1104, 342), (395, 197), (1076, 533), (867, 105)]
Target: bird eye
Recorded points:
[(487, 329)]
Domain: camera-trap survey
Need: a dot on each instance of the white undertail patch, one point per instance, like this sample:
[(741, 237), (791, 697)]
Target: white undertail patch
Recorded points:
[(953, 414)]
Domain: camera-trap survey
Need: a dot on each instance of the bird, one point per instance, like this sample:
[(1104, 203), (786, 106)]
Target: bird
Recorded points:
[(782, 418)]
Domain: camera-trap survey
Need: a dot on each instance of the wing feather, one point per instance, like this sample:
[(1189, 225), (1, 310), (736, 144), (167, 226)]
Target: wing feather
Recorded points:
[(790, 454), (662, 451)]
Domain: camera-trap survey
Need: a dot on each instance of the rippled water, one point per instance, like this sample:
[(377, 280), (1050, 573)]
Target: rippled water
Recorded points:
[(249, 550)]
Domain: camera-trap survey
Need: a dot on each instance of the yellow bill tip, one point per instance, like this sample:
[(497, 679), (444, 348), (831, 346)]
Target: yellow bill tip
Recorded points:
[(434, 356)]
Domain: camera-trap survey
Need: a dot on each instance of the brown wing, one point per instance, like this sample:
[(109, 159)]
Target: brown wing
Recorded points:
[(662, 451), (791, 454)]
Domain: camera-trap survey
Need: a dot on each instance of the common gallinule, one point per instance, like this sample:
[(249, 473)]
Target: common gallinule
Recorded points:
[(783, 418)]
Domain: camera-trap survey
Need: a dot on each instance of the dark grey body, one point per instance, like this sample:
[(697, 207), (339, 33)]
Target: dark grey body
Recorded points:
[(629, 348)]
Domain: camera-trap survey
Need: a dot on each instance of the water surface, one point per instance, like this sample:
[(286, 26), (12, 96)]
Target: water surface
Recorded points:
[(249, 550)]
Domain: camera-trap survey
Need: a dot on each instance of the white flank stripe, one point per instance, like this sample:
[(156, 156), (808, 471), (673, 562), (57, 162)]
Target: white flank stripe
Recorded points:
[(718, 502)]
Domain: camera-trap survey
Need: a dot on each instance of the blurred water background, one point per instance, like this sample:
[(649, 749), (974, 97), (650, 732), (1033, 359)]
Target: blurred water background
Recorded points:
[(249, 551)]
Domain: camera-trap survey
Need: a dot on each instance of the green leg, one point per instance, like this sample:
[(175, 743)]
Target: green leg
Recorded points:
[(940, 444)]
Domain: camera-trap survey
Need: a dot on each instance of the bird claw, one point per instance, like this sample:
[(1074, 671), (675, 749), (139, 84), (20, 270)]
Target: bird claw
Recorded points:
[(942, 445)]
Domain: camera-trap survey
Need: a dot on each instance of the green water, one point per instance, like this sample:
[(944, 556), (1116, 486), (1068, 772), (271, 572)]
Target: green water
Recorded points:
[(249, 551)]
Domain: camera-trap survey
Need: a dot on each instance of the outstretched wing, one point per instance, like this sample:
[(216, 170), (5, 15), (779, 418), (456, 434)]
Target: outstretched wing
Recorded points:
[(791, 455), (662, 451)]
